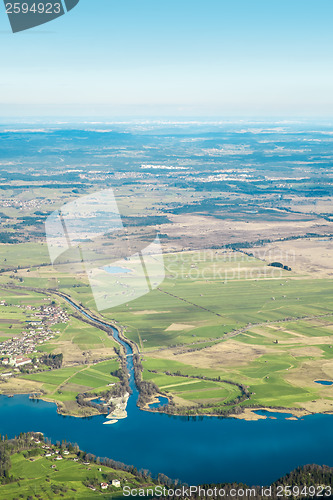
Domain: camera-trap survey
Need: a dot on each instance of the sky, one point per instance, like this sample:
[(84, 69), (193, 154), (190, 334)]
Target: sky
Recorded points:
[(212, 58)]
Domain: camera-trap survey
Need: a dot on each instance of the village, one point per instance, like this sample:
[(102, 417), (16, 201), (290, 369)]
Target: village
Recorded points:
[(14, 351), (21, 204), (57, 454)]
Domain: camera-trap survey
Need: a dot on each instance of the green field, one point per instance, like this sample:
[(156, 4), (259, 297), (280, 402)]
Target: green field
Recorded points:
[(23, 255), (86, 336), (190, 388), (35, 478), (65, 383), (221, 314)]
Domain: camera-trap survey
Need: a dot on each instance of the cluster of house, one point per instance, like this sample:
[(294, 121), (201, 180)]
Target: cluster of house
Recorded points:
[(16, 361), (51, 315), (114, 482), (57, 455), (37, 332), (22, 204), (104, 486), (54, 453)]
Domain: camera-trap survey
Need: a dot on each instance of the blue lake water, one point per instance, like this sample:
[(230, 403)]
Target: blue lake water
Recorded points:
[(270, 414), (205, 449), (98, 401), (193, 449), (116, 270), (161, 402), (324, 382)]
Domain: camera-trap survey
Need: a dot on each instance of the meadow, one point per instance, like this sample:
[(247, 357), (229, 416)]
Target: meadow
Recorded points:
[(220, 314), (35, 478), (64, 384)]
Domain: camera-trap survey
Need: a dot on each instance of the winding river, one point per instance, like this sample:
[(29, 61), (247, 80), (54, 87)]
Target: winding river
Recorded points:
[(193, 449)]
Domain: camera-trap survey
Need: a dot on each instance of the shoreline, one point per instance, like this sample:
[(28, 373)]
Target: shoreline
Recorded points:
[(59, 404), (248, 414), (153, 400)]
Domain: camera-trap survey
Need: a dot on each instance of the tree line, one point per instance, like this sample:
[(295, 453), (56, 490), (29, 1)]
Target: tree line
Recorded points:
[(309, 476)]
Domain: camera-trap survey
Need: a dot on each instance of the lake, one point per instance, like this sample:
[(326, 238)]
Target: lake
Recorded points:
[(196, 450), (160, 402), (116, 270)]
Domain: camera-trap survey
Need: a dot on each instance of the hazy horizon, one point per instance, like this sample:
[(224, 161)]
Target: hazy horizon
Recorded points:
[(177, 59)]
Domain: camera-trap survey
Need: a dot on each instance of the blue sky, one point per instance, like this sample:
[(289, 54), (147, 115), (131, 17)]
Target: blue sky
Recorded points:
[(114, 58)]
